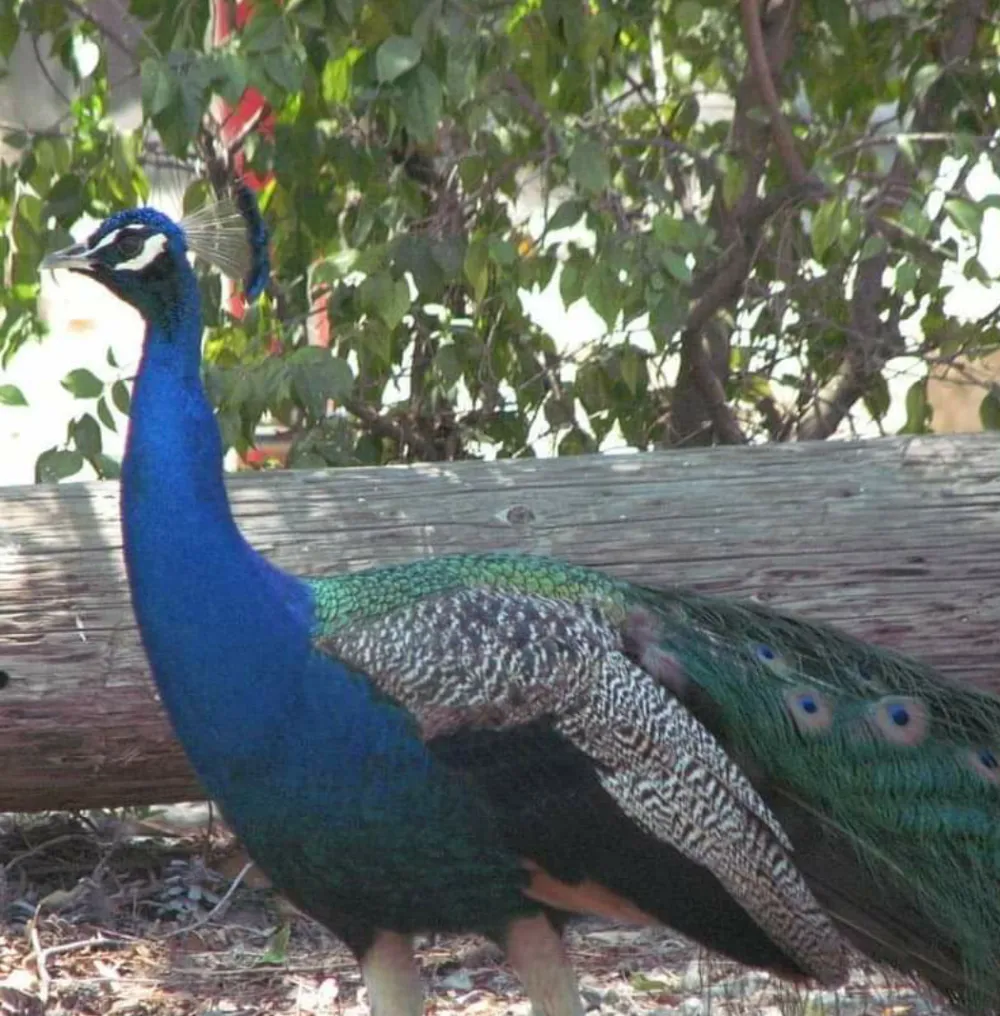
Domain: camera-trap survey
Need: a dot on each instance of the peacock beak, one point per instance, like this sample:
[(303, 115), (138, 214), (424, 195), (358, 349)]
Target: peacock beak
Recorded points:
[(76, 257)]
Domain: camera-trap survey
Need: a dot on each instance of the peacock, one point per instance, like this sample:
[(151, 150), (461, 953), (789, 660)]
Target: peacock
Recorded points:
[(494, 743)]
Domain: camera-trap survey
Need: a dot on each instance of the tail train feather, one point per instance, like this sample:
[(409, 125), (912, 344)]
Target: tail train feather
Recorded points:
[(883, 774)]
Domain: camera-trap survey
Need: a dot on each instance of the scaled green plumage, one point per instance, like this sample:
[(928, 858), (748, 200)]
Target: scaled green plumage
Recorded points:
[(882, 773)]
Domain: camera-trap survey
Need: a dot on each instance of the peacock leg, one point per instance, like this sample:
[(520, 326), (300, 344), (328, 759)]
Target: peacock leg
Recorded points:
[(391, 977), (535, 950)]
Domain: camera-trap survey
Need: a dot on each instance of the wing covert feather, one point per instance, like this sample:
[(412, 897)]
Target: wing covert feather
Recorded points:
[(489, 658)]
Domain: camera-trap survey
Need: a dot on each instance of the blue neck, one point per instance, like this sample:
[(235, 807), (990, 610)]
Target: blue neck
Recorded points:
[(206, 602)]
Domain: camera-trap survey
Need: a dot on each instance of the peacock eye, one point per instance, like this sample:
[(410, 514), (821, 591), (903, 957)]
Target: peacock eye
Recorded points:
[(129, 245), (985, 762), (901, 720), (809, 710)]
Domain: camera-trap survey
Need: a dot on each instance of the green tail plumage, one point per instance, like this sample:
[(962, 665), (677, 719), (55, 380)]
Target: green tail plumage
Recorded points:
[(881, 773)]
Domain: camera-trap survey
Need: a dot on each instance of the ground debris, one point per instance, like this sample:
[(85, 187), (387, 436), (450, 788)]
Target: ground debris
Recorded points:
[(109, 914)]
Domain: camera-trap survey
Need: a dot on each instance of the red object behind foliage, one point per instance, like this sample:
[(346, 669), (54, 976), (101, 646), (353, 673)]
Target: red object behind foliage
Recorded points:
[(233, 123)]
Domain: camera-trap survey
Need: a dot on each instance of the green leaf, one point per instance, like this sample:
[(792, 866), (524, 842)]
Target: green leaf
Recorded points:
[(974, 270), (66, 200), (232, 76), (82, 384), (734, 176), (924, 79), (337, 81), (477, 268), (318, 376), (560, 411), (385, 296), (104, 414), (86, 435), (107, 467), (632, 368), (571, 282), (449, 253), (688, 14), (121, 398), (676, 264), (966, 215), (589, 166), (918, 410), (412, 253), (57, 464), (877, 398), (915, 219), (376, 340), (268, 32), (347, 9), (472, 171), (284, 69), (836, 15), (10, 30), (989, 411), (397, 304), (567, 214), (461, 72), (425, 21), (640, 982), (448, 365), (422, 104), (906, 276), (873, 246), (501, 251), (577, 442), (158, 87), (604, 293), (11, 395), (592, 388), (397, 55), (194, 75), (667, 314), (277, 947), (827, 223)]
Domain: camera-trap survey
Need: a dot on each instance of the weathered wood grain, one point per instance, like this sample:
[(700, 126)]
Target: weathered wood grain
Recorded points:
[(897, 540)]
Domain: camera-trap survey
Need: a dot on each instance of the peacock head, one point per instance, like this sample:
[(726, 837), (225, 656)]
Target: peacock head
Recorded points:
[(141, 254)]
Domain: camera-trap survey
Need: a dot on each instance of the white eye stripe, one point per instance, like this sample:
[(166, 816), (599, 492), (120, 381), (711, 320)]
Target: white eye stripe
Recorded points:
[(108, 240), (153, 247)]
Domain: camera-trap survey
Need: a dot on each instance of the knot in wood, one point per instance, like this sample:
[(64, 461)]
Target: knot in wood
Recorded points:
[(520, 515)]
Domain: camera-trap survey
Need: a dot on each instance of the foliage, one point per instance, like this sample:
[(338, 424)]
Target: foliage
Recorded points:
[(759, 186)]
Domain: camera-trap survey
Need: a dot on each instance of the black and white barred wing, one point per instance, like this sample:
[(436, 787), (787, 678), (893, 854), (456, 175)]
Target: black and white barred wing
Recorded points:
[(483, 659)]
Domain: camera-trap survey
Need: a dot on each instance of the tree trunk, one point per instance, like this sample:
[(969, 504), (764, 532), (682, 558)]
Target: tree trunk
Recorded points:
[(895, 540)]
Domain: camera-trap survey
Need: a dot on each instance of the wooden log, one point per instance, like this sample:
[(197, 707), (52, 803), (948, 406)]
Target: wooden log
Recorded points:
[(896, 540)]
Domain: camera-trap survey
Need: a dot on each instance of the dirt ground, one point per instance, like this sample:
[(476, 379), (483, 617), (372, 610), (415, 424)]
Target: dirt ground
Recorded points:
[(160, 916)]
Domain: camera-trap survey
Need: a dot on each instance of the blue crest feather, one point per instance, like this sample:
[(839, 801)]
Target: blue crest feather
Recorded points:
[(260, 264)]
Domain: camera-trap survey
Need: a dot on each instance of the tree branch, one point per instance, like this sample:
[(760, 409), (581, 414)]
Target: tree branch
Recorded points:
[(868, 352), (757, 59), (514, 86), (396, 429), (699, 394), (109, 33)]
